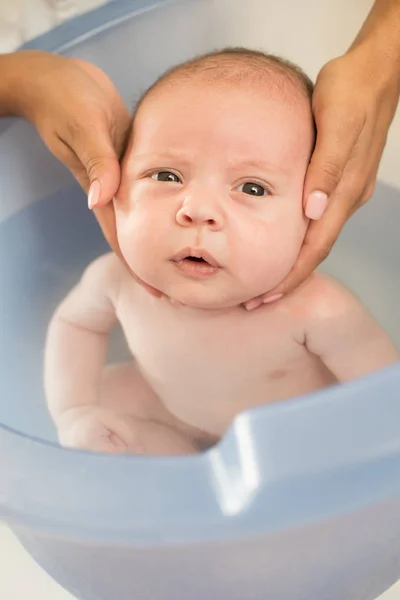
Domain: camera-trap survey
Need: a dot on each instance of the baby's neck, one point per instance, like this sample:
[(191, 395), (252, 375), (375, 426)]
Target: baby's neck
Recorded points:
[(200, 312)]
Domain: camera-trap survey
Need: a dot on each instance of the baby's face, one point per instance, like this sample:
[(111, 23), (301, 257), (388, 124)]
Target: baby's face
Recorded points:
[(210, 206)]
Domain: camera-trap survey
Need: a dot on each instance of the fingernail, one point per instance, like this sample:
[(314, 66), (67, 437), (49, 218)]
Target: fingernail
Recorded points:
[(94, 193), (316, 205), (272, 298), (252, 304)]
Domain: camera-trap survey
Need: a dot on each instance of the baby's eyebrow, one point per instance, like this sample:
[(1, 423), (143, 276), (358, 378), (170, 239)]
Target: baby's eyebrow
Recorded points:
[(168, 156), (260, 165)]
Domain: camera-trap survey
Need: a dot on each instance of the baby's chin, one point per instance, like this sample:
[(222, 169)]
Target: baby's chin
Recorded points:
[(211, 294), (204, 298)]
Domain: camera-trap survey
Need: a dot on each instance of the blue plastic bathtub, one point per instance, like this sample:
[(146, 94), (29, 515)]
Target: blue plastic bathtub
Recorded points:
[(300, 501)]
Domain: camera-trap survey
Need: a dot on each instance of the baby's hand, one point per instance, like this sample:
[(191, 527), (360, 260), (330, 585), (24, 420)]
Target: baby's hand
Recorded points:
[(98, 429)]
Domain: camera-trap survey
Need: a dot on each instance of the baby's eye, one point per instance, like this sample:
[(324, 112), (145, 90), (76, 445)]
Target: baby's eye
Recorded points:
[(166, 176), (253, 189)]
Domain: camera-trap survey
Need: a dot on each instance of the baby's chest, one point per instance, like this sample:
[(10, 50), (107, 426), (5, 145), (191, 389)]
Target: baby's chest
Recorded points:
[(230, 348), (206, 371)]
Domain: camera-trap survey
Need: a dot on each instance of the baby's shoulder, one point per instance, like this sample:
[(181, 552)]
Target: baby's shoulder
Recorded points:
[(321, 303), (107, 266), (323, 296), (105, 274)]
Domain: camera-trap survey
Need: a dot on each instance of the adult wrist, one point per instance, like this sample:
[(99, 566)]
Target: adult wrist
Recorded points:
[(17, 76), (379, 37), (8, 92)]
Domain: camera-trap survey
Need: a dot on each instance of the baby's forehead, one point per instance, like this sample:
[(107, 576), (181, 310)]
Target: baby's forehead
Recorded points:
[(202, 92), (226, 77)]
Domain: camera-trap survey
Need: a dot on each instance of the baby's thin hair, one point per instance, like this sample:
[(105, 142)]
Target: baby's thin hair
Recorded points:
[(232, 66)]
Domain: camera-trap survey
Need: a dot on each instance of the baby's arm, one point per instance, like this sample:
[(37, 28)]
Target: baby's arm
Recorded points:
[(77, 339), (74, 358), (344, 335)]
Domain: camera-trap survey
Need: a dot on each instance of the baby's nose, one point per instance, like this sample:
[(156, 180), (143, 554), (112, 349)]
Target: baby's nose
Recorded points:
[(199, 213)]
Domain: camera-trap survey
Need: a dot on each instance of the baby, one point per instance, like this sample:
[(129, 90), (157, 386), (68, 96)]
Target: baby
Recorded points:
[(209, 214)]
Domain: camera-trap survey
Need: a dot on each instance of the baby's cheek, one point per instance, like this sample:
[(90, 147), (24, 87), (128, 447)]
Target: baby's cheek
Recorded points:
[(133, 237), (271, 256)]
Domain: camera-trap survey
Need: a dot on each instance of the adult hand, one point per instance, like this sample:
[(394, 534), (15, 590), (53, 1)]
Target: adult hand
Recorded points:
[(82, 119), (354, 101)]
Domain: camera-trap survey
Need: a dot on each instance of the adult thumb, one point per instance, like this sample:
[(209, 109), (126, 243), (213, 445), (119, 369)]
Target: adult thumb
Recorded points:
[(104, 174), (101, 171), (104, 177), (96, 166), (333, 149)]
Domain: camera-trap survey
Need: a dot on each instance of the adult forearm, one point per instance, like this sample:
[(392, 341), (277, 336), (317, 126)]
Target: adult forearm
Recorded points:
[(10, 72), (381, 30)]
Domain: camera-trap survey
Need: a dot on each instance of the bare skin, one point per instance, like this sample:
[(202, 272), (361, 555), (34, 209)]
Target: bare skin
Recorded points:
[(209, 214), (191, 377), (355, 99), (83, 121)]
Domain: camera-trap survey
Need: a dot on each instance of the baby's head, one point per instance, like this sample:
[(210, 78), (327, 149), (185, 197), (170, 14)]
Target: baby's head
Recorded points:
[(210, 206)]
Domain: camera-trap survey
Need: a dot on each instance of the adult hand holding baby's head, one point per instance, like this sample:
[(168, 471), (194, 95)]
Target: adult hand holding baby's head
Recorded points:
[(354, 102), (82, 119)]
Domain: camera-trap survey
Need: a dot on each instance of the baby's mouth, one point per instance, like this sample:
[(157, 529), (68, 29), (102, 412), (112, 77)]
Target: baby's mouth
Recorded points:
[(196, 263), (195, 259)]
